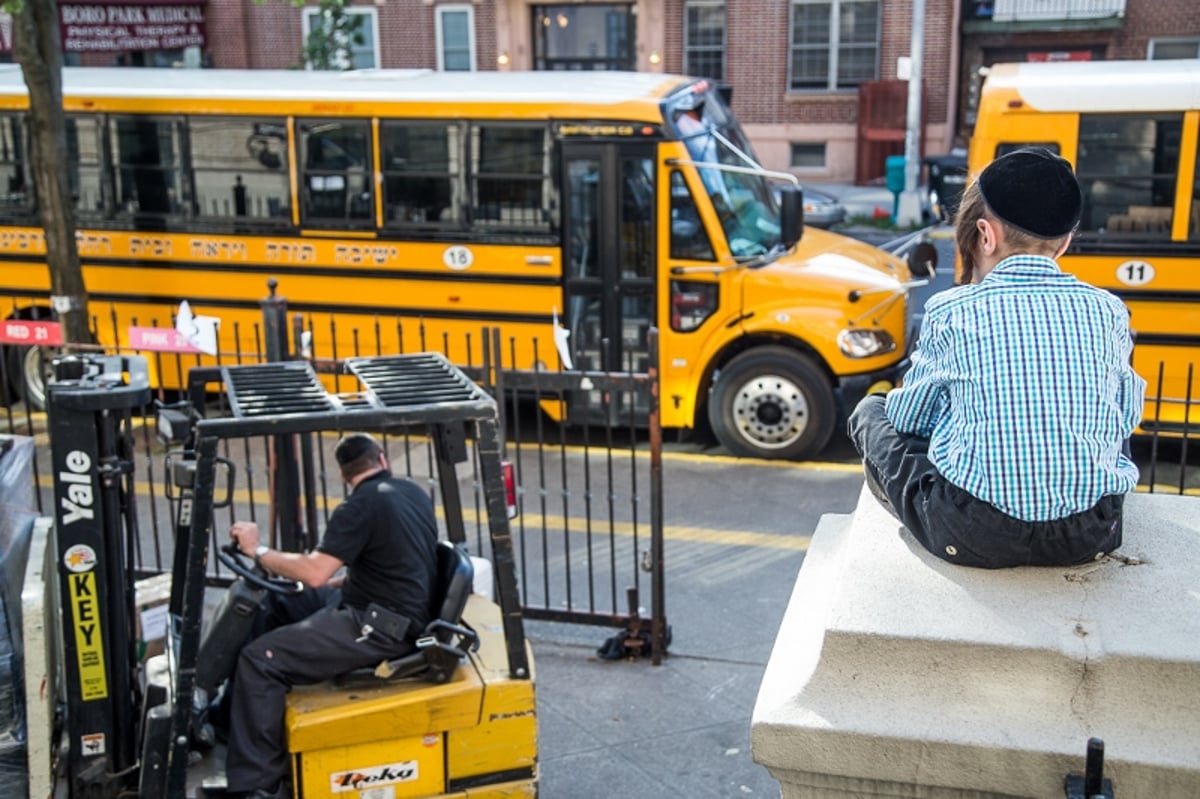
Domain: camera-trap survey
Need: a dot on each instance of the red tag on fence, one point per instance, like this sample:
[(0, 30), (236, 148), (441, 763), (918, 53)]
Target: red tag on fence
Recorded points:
[(30, 332)]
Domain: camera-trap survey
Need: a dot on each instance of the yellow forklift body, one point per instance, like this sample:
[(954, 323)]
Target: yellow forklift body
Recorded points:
[(413, 739)]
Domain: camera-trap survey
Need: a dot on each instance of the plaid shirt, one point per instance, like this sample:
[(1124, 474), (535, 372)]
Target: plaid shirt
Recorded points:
[(1022, 384)]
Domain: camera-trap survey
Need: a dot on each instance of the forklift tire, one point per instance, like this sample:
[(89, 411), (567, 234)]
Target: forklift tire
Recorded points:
[(774, 403)]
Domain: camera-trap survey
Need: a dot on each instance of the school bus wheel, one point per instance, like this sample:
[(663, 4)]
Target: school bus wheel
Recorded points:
[(772, 402)]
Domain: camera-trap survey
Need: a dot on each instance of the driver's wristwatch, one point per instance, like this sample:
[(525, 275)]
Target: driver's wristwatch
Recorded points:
[(259, 551)]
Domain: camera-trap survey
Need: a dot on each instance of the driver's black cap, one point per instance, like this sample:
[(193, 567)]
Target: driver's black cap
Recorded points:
[(354, 446)]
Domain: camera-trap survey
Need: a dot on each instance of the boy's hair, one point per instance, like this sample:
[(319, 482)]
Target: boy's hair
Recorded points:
[(971, 208), (357, 453)]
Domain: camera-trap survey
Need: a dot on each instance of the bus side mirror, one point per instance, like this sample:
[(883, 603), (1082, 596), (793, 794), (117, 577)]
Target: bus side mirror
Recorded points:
[(922, 260), (791, 216)]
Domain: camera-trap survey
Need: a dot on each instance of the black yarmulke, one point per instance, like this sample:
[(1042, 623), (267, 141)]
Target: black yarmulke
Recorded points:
[(1034, 191), (353, 447)]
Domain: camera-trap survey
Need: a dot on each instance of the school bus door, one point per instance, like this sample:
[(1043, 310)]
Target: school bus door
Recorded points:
[(609, 285)]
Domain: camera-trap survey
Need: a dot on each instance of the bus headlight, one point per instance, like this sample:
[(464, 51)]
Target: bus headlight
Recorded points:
[(858, 342)]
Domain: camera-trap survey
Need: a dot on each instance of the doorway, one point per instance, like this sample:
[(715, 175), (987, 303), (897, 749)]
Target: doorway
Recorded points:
[(584, 37), (609, 254)]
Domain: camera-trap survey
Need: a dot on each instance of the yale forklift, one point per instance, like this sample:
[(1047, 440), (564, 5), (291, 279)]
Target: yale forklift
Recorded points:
[(455, 719)]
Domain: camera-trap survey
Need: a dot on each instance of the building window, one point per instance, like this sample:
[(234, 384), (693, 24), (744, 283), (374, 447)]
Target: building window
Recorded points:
[(584, 37), (1162, 49), (704, 39), (808, 155), (456, 38), (354, 45), (834, 43)]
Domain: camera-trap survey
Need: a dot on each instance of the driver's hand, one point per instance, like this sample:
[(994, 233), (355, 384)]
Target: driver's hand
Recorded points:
[(245, 535)]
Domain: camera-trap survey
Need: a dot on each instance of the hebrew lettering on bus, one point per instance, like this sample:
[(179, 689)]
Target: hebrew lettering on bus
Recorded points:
[(93, 244), (359, 254), (22, 241), (149, 245), (219, 250), (290, 252)]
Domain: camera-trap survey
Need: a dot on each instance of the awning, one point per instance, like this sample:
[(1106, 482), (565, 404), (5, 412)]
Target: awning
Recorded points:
[(118, 27)]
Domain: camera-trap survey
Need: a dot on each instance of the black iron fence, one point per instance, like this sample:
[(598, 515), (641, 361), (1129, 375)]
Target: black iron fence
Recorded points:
[(588, 537), (588, 534)]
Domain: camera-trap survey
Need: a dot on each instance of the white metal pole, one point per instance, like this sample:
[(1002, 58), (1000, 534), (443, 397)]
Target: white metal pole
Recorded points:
[(909, 210)]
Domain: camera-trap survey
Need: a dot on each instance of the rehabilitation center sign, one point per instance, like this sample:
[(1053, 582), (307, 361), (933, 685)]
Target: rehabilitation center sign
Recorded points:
[(100, 27)]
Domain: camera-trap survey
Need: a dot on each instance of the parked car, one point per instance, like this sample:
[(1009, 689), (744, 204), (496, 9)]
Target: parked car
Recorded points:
[(822, 210)]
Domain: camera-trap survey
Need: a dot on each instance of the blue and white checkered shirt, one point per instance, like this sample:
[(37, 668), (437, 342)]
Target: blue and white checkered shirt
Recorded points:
[(1023, 385)]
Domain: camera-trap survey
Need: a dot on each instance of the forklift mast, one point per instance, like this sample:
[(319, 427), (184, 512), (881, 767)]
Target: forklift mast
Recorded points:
[(91, 402)]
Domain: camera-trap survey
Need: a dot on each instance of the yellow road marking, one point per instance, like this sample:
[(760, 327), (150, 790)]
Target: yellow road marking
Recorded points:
[(532, 522)]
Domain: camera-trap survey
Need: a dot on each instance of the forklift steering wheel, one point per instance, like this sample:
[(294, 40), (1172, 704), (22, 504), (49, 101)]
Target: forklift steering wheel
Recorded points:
[(236, 560)]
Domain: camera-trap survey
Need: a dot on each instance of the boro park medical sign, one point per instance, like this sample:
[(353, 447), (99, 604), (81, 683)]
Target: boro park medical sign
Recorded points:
[(118, 27)]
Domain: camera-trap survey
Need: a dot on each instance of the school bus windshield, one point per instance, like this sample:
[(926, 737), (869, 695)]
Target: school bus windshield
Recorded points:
[(744, 202)]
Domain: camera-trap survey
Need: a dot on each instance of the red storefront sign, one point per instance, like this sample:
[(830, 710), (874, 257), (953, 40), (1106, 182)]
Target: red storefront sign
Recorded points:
[(130, 26)]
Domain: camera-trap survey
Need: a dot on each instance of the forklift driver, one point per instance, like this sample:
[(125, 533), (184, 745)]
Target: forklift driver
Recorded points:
[(386, 534)]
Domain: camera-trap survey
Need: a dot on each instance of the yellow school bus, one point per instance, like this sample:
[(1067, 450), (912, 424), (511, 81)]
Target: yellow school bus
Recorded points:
[(610, 202), (1131, 130)]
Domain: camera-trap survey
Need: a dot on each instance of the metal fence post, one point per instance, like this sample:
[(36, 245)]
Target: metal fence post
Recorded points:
[(286, 520), (658, 594)]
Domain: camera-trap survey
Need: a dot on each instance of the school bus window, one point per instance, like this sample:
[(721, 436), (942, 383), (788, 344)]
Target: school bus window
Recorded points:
[(14, 177), (422, 173), (583, 260), (336, 181), (147, 154), (1128, 167), (249, 182), (689, 239), (1008, 147), (85, 167), (1194, 223), (637, 216), (509, 169)]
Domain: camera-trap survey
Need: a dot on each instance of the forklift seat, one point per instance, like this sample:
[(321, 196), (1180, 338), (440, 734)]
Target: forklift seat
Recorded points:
[(446, 639)]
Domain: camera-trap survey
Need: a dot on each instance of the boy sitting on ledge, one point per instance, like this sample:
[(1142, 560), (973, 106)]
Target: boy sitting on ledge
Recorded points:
[(1005, 446)]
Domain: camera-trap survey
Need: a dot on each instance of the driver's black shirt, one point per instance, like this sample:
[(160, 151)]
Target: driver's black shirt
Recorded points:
[(386, 533)]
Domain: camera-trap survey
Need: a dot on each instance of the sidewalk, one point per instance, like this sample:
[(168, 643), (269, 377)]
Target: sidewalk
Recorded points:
[(638, 731)]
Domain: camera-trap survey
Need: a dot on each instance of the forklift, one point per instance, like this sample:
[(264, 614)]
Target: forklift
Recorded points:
[(457, 718)]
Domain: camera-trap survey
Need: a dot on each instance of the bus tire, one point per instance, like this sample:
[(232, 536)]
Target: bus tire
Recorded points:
[(28, 372), (772, 402)]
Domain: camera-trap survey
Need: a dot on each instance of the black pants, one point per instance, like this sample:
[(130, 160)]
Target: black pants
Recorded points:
[(957, 526), (319, 647)]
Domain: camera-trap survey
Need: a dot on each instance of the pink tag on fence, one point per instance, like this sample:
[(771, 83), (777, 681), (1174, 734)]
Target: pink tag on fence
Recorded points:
[(159, 339)]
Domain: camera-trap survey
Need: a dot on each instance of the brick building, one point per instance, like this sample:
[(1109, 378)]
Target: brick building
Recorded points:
[(815, 82)]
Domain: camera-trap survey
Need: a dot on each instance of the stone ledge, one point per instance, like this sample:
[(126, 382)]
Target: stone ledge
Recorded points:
[(896, 674)]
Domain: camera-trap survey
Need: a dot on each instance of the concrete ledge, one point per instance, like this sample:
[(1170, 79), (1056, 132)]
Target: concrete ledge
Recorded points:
[(895, 674)]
